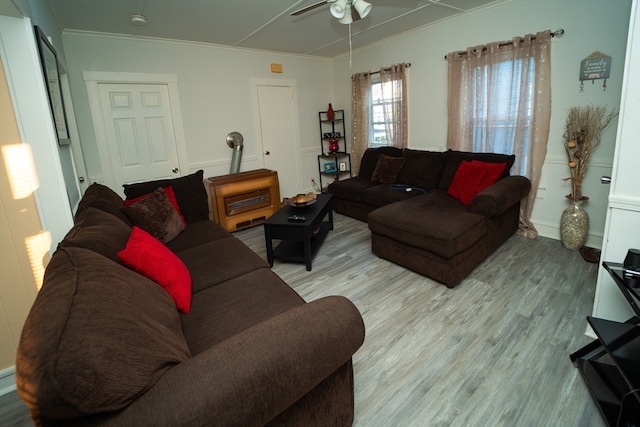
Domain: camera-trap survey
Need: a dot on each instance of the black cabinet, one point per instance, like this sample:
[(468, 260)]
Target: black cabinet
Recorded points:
[(334, 164), (610, 365)]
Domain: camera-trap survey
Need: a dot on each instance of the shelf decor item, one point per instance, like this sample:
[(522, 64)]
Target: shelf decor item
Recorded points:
[(583, 131), (334, 162), (331, 115), (329, 168)]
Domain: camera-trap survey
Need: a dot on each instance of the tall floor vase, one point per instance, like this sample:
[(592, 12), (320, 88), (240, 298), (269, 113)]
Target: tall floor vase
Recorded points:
[(574, 226)]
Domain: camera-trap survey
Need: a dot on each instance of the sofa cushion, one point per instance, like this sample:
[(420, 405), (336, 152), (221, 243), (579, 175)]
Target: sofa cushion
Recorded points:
[(370, 159), (384, 194), (149, 257), (97, 337), (387, 169), (156, 215), (422, 169), (219, 260), (435, 222), (171, 195), (222, 311), (196, 234), (99, 231), (454, 159), (102, 197), (351, 188), (190, 192)]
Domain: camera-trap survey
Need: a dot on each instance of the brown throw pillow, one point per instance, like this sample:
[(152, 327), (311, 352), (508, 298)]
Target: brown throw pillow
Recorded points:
[(190, 192), (387, 169), (156, 215)]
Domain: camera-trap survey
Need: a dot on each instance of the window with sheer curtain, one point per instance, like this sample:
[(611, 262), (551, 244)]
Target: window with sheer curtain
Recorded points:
[(379, 110), (499, 100)]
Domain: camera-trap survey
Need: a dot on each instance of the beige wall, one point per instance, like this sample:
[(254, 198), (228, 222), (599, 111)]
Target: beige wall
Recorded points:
[(21, 269)]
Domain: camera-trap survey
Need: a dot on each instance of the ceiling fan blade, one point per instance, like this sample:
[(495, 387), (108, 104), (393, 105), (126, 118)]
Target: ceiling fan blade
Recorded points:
[(308, 8), (354, 14)]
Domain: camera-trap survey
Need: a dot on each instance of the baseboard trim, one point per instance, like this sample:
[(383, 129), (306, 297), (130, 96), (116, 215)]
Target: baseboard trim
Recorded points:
[(7, 380), (552, 231)]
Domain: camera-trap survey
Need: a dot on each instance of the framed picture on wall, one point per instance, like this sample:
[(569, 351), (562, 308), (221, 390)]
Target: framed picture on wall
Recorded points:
[(342, 166), (51, 73)]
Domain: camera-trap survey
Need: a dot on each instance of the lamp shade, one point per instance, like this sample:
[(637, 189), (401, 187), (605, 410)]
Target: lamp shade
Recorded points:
[(362, 7), (347, 18), (339, 8)]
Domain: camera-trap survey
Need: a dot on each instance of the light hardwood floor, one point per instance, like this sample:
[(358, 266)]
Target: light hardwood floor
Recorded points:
[(494, 351)]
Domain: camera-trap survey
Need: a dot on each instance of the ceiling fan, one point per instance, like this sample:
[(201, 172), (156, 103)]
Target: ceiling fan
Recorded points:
[(346, 11)]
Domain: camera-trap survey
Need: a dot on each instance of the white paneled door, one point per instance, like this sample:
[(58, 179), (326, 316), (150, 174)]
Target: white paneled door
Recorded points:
[(139, 131), (279, 133)]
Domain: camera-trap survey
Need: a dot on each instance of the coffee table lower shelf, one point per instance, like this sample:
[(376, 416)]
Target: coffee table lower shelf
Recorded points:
[(293, 250)]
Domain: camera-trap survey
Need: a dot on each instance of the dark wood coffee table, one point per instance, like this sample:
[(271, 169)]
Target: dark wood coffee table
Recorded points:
[(300, 240)]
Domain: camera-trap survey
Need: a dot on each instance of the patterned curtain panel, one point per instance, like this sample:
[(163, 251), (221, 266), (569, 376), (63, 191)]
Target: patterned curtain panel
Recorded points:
[(361, 106), (394, 87), (499, 100)]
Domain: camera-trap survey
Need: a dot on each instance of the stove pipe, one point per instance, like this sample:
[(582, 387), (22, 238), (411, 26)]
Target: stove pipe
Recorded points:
[(234, 141)]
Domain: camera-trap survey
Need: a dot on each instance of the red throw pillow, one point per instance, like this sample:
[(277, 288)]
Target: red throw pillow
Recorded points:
[(148, 256), (466, 181), (170, 194), (493, 173), (472, 177)]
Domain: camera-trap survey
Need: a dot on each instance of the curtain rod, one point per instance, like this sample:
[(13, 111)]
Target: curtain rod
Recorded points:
[(408, 64), (557, 33)]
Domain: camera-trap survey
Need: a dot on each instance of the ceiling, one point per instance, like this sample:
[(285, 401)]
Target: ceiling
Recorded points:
[(257, 24)]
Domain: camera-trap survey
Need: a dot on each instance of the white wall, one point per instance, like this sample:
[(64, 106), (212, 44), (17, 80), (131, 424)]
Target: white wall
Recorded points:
[(589, 25), (215, 95)]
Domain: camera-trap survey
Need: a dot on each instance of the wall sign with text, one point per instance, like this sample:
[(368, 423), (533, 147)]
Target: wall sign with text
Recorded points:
[(596, 66)]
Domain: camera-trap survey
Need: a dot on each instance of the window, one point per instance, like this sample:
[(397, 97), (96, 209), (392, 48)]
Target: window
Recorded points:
[(502, 113), (382, 102), (499, 100)]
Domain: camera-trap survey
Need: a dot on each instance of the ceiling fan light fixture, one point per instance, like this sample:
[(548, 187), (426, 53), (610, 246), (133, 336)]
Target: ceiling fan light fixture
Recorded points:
[(339, 8), (362, 7), (347, 18)]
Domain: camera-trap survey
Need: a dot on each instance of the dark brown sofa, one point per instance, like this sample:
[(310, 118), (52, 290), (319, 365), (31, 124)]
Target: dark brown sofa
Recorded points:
[(416, 223), (105, 345)]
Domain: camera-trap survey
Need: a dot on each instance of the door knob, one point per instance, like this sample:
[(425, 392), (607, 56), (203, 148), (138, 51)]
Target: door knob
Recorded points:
[(605, 180), (266, 153), (175, 170)]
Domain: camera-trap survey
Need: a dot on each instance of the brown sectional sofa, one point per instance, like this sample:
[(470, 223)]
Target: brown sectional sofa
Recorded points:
[(105, 345), (426, 229)]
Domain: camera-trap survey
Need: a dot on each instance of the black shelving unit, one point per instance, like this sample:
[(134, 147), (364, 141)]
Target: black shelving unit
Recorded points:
[(336, 165), (610, 365)]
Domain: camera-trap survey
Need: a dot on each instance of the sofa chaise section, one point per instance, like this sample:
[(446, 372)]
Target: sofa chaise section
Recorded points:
[(419, 222)]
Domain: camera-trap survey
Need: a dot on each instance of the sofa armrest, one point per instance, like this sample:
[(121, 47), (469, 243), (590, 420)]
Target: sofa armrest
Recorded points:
[(500, 196), (253, 376)]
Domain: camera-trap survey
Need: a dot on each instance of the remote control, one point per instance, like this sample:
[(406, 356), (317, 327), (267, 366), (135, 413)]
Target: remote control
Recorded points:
[(297, 218)]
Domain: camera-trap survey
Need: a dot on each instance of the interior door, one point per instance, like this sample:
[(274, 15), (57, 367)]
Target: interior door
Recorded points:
[(140, 131), (279, 129)]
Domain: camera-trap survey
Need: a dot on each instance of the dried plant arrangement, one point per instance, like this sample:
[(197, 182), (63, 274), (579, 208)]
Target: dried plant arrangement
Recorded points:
[(583, 130)]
